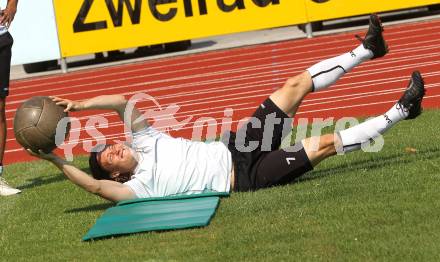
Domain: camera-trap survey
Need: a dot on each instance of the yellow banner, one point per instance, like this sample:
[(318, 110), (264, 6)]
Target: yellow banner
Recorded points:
[(88, 26), (318, 10)]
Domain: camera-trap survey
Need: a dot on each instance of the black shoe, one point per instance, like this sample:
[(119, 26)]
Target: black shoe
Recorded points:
[(374, 39), (411, 99)]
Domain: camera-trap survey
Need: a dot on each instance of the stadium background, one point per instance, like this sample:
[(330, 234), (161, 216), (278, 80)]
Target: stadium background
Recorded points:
[(203, 85), (368, 207)]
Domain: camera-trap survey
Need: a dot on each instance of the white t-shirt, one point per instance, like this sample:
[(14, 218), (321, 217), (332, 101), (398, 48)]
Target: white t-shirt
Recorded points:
[(169, 166)]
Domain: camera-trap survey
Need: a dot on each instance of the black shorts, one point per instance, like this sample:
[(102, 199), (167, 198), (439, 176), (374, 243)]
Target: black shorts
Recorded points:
[(255, 148), (6, 42)]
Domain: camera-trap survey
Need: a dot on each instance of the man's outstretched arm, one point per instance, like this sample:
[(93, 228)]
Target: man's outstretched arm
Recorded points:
[(107, 189), (117, 103)]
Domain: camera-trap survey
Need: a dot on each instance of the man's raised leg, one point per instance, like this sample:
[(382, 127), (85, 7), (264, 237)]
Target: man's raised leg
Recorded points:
[(327, 72), (408, 107)]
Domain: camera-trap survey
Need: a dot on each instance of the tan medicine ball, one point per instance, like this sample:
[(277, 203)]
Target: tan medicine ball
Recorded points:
[(35, 123)]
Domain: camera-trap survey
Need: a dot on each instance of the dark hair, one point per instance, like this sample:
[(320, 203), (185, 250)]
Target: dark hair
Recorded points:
[(97, 171)]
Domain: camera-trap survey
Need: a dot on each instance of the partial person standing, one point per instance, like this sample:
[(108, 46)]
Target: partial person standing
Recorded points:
[(6, 17)]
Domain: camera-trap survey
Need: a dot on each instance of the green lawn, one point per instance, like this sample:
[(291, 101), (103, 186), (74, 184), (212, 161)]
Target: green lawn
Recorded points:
[(363, 206)]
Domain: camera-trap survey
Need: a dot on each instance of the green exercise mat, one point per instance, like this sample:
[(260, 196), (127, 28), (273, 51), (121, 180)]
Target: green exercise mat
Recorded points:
[(162, 213)]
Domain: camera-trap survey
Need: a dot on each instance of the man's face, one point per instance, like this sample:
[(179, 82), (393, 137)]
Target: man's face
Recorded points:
[(117, 158)]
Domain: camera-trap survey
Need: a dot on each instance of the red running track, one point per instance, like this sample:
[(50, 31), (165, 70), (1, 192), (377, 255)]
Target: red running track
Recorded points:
[(203, 85)]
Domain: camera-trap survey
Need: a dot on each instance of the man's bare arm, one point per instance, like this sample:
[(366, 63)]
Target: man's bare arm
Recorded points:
[(117, 103), (107, 189)]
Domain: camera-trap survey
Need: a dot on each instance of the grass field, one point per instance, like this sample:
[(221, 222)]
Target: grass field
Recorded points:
[(363, 206)]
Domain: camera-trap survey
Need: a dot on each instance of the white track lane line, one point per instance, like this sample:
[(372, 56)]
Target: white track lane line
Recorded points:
[(242, 77), (335, 88), (218, 65)]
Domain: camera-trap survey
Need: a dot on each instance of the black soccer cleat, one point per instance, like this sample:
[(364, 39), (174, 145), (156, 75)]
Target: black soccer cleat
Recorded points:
[(411, 99), (374, 40)]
